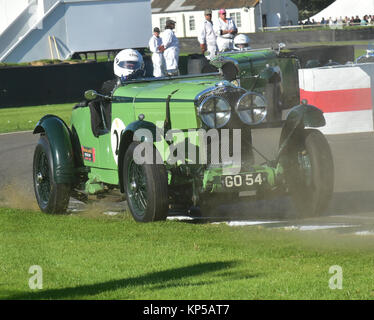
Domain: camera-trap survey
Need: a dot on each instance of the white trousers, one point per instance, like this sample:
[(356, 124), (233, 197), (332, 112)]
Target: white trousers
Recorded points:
[(225, 44), (212, 49), (171, 56), (158, 64)]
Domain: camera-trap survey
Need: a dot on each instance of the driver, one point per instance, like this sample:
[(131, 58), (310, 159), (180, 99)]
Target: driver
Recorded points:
[(241, 42), (129, 64)]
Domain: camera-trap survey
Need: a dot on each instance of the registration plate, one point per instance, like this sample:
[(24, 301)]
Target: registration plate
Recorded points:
[(244, 180)]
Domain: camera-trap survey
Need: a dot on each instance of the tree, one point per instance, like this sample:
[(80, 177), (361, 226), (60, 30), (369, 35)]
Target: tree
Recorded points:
[(308, 8)]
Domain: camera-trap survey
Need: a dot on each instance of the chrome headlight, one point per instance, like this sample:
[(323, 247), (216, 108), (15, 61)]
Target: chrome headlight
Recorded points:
[(251, 108), (215, 112), (236, 82)]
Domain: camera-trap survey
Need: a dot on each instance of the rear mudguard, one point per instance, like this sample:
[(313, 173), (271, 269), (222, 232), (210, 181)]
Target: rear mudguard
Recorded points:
[(59, 138), (133, 132), (299, 117)]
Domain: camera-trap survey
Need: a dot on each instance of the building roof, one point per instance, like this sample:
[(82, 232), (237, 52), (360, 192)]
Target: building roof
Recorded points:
[(165, 6)]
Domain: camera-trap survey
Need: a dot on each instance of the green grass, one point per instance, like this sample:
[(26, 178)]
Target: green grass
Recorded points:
[(101, 257), (44, 62), (25, 118)]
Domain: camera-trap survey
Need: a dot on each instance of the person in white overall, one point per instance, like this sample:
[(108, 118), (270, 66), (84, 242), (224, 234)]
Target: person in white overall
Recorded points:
[(155, 45), (207, 36), (225, 31), (171, 45)]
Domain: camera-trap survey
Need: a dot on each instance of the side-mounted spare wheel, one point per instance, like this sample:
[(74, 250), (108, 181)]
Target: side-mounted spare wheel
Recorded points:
[(146, 188), (309, 172), (52, 197), (273, 96)]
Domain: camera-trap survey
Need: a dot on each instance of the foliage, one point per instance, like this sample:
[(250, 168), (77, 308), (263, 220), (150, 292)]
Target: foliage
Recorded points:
[(308, 8)]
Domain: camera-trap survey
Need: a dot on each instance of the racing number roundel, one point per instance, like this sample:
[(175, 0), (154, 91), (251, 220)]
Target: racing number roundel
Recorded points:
[(115, 136)]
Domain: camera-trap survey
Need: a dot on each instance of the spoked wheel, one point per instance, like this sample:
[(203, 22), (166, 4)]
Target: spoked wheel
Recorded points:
[(137, 188), (145, 187), (309, 172), (52, 197)]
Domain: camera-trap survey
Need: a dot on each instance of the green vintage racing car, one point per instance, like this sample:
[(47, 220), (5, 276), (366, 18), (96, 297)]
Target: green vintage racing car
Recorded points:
[(180, 142)]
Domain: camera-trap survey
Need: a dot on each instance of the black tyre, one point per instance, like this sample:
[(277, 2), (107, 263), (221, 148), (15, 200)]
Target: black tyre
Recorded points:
[(146, 188), (52, 197), (309, 172), (273, 96)]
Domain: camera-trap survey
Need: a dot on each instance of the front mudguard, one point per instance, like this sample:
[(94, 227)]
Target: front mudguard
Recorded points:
[(136, 128), (59, 137), (299, 117), (134, 132)]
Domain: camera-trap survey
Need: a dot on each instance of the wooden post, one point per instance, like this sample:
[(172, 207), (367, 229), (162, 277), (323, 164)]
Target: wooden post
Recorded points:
[(50, 47), (58, 53)]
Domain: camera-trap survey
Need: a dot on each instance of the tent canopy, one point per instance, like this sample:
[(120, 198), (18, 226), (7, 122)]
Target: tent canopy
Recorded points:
[(343, 8)]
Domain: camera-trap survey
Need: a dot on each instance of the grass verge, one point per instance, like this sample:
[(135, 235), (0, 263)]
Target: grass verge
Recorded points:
[(25, 118), (115, 258)]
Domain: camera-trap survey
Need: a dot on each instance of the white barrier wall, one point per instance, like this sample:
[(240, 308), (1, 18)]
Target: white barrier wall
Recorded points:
[(343, 93)]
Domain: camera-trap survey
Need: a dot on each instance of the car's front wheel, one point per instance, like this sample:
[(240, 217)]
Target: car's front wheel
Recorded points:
[(309, 173), (52, 197), (146, 188)]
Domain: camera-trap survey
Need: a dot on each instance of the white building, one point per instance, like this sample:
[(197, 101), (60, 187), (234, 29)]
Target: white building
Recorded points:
[(249, 15), (41, 29)]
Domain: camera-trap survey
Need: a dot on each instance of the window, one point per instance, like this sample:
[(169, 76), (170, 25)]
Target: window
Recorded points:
[(236, 17), (163, 23), (192, 23)]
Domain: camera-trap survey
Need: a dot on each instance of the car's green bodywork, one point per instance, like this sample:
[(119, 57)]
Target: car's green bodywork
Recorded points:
[(129, 101), (168, 108)]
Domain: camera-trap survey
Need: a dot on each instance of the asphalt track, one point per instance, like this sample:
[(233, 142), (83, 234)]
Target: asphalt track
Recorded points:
[(351, 209)]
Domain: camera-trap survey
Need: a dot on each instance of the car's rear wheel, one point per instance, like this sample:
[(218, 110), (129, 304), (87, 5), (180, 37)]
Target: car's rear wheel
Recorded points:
[(309, 173), (145, 187), (52, 197)]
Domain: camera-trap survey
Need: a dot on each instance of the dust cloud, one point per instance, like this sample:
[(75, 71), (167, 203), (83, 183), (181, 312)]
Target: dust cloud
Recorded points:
[(98, 208), (16, 195)]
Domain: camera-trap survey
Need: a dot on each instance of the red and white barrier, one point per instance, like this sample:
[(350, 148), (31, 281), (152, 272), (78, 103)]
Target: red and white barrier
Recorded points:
[(343, 93)]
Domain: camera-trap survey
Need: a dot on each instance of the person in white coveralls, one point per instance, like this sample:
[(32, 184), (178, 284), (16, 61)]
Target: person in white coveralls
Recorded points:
[(225, 31), (171, 45), (207, 37), (155, 45)]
